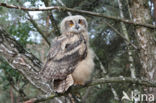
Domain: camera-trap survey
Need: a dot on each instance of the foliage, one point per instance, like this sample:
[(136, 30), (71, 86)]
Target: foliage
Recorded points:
[(20, 31)]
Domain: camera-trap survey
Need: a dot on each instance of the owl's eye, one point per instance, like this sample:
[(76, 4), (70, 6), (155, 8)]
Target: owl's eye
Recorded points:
[(80, 21), (71, 23)]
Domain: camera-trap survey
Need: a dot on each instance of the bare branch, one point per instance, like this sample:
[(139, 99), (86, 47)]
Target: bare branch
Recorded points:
[(99, 81), (53, 21), (126, 35), (121, 35), (38, 29), (59, 1), (81, 12), (54, 24)]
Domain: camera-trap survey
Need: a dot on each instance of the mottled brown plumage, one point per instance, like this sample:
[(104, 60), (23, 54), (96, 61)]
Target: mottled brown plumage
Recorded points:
[(66, 53)]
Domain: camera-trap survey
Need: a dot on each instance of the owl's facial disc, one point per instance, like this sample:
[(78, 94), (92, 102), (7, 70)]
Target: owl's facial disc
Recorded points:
[(76, 26)]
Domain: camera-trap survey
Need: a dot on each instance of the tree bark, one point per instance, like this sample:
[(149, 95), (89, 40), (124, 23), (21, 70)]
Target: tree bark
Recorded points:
[(146, 40), (22, 60)]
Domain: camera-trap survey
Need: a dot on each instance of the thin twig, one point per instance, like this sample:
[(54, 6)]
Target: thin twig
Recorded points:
[(38, 29), (126, 35), (53, 21), (121, 35), (36, 25), (59, 1), (54, 24)]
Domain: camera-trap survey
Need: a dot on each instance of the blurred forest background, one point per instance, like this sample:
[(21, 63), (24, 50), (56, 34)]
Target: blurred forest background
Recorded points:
[(122, 49)]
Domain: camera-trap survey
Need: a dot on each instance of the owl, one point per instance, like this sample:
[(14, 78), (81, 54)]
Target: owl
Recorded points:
[(70, 59)]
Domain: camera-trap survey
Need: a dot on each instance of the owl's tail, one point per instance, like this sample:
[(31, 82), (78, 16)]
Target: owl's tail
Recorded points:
[(60, 86)]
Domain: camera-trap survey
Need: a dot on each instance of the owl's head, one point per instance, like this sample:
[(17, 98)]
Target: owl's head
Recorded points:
[(74, 24)]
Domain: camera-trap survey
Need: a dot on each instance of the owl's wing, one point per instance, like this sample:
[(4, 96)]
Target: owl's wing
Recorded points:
[(63, 57)]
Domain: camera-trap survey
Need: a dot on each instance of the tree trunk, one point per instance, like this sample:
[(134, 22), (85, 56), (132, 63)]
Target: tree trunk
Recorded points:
[(145, 37)]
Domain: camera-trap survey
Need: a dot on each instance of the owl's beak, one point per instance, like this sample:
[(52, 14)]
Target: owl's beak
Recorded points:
[(77, 27)]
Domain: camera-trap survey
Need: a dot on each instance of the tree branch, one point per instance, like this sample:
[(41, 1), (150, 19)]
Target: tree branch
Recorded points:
[(81, 12), (38, 29), (96, 82), (23, 61)]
